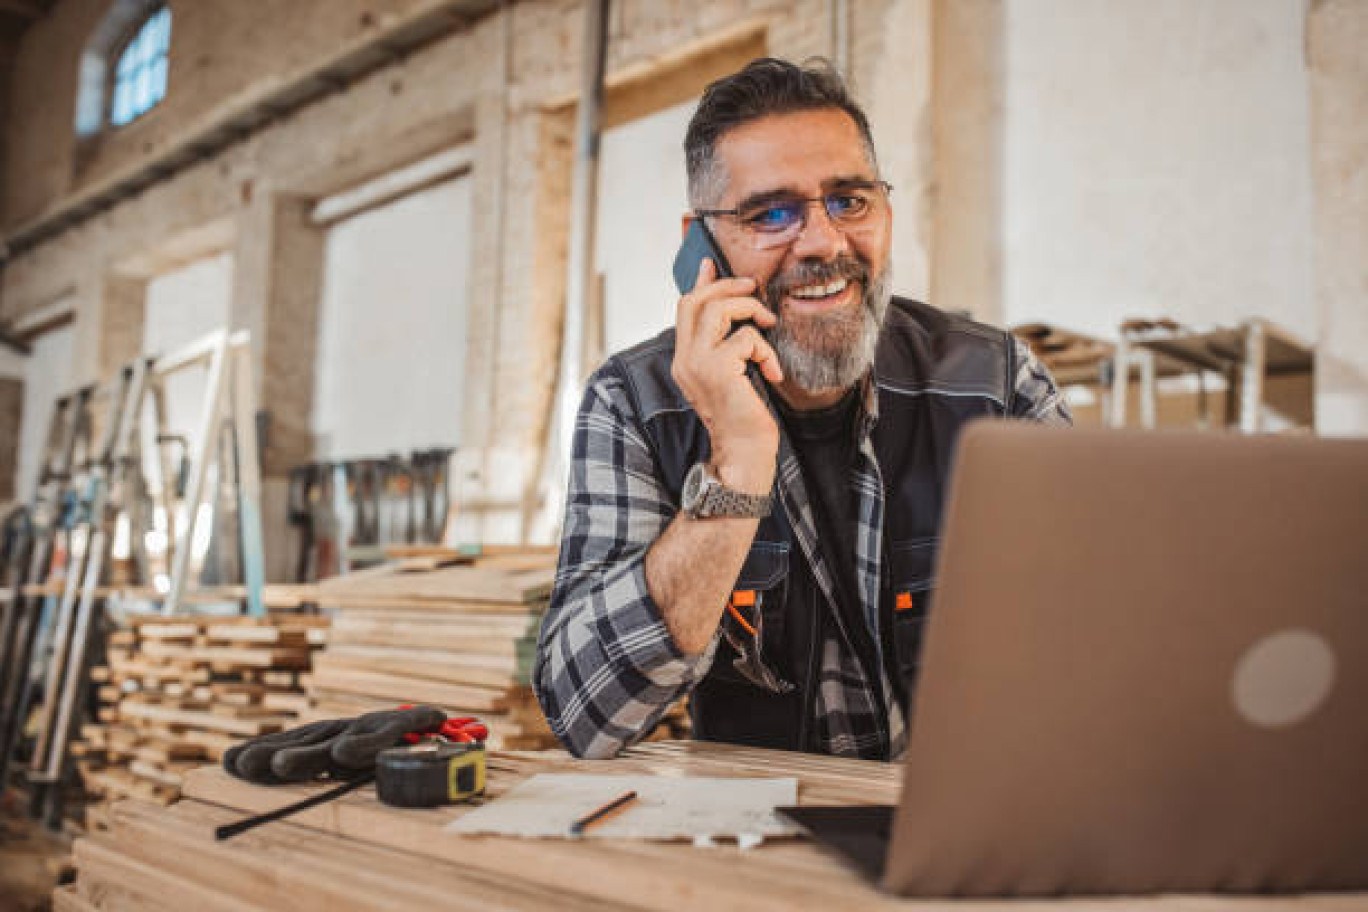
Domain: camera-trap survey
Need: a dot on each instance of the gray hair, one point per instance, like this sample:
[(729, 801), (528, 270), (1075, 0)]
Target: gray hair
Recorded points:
[(764, 87)]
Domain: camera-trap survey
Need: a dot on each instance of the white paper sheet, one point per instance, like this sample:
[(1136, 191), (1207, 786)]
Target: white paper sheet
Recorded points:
[(666, 808)]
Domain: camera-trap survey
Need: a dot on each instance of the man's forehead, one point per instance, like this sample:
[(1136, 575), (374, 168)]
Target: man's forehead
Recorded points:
[(801, 151)]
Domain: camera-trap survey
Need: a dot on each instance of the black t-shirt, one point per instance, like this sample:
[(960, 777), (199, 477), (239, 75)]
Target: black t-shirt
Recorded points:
[(824, 440)]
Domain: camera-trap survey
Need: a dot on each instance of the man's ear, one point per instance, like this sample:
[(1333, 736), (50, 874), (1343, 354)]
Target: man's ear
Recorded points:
[(685, 221)]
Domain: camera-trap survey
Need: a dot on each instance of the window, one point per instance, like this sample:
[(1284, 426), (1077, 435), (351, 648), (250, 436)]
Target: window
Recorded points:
[(140, 76)]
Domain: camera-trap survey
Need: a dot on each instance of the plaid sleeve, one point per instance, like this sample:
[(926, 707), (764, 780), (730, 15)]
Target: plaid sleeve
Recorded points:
[(1037, 397), (607, 668)]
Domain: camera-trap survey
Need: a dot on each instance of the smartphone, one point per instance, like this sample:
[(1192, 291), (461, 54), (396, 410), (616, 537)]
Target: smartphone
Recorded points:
[(698, 246)]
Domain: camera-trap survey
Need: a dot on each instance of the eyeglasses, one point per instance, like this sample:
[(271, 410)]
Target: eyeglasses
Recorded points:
[(854, 208)]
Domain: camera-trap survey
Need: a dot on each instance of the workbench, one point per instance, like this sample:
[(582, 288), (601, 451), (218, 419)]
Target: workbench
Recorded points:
[(355, 853)]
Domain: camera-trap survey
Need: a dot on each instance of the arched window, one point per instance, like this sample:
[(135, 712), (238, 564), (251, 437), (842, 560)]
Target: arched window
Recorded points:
[(140, 75)]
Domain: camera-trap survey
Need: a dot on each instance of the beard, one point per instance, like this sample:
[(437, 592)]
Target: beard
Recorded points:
[(832, 350)]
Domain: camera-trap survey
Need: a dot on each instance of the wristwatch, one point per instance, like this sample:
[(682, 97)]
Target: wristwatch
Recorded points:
[(704, 496)]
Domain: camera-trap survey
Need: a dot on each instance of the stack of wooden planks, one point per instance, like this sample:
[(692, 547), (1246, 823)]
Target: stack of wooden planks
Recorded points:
[(454, 631), (178, 691)]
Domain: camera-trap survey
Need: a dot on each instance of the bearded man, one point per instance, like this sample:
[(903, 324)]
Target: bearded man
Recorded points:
[(765, 547)]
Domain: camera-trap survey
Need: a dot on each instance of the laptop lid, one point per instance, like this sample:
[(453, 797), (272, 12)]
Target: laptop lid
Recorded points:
[(1146, 669)]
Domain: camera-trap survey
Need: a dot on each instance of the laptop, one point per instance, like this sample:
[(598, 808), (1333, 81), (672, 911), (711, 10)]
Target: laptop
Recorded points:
[(1146, 670)]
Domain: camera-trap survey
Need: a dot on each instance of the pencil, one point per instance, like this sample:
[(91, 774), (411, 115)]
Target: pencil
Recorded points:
[(579, 826)]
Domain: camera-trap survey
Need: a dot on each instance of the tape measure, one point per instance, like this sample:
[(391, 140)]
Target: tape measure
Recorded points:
[(430, 773)]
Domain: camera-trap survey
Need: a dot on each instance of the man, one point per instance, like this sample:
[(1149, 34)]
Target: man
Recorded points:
[(765, 548)]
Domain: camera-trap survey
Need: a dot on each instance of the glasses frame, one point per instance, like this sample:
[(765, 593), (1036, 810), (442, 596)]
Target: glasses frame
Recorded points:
[(807, 201)]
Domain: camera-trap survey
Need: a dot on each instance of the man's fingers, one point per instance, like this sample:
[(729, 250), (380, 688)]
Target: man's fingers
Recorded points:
[(707, 271), (719, 318), (692, 304), (746, 344)]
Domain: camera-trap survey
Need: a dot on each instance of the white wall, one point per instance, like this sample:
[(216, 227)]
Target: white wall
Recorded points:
[(181, 307), (47, 376), (1157, 163), (642, 194), (391, 361)]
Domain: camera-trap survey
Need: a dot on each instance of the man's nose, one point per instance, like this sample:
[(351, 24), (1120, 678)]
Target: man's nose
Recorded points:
[(819, 238)]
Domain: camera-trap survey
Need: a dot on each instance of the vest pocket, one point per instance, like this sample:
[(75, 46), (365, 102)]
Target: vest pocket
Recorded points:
[(753, 624), (912, 566)]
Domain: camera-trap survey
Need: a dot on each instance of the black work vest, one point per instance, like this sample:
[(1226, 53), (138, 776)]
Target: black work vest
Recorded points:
[(935, 372)]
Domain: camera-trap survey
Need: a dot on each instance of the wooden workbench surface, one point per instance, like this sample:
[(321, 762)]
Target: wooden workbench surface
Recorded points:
[(356, 853)]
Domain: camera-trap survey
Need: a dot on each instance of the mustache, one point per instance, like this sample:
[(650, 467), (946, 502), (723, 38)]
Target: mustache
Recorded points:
[(815, 272)]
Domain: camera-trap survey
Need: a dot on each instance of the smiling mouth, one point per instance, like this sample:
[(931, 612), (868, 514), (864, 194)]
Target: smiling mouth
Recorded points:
[(819, 292)]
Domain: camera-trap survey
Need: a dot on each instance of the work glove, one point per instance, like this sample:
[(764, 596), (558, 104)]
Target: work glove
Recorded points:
[(336, 748)]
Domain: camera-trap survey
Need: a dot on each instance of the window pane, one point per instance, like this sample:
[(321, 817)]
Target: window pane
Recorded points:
[(143, 98), (141, 73)]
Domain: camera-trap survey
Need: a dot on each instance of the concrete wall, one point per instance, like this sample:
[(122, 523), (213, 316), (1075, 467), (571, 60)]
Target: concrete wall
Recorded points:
[(1337, 48), (1157, 163), (49, 365), (391, 359)]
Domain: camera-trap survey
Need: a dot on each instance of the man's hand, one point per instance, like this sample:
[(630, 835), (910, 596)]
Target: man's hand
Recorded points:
[(710, 367)]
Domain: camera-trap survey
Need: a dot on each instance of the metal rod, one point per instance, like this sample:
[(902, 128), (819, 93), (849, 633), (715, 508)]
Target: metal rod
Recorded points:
[(1252, 377), (199, 465), (248, 479), (1120, 382), (580, 262)]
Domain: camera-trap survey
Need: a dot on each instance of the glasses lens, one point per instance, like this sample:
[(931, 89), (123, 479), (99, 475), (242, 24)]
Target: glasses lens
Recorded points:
[(775, 217), (848, 206)]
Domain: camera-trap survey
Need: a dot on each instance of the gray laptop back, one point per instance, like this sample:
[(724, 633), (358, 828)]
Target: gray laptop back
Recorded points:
[(1146, 669)]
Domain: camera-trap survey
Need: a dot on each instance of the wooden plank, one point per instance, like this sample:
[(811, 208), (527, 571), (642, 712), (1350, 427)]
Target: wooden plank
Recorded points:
[(244, 633), (67, 899), (449, 584), (380, 603), (154, 887), (412, 690), (315, 870), (454, 669), (228, 655), (250, 727)]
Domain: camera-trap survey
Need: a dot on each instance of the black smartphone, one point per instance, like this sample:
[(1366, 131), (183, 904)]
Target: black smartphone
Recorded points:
[(698, 246)]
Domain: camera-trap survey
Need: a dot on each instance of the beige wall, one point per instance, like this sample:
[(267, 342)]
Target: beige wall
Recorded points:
[(1337, 48)]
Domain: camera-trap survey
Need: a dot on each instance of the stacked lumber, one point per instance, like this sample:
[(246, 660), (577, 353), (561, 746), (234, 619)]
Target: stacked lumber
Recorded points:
[(179, 691), (458, 632)]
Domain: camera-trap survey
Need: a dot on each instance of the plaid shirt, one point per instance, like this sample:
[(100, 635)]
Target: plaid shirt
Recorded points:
[(607, 668)]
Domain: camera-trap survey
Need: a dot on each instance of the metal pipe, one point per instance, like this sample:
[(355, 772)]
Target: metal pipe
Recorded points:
[(838, 19), (1252, 377), (580, 263)]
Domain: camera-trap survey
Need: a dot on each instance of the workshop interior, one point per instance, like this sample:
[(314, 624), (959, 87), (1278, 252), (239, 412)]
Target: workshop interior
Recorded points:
[(304, 305)]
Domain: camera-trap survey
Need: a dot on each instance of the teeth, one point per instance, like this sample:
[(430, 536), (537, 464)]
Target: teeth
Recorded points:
[(820, 291)]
